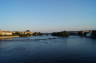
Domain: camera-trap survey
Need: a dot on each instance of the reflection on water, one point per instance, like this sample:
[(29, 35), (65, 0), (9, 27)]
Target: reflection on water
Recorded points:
[(60, 50)]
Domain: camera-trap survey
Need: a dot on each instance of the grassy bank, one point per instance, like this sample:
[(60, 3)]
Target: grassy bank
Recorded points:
[(7, 37)]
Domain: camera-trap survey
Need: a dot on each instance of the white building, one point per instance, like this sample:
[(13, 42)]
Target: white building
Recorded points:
[(5, 33)]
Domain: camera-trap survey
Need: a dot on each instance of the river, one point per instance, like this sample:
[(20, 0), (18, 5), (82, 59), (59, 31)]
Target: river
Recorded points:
[(42, 49)]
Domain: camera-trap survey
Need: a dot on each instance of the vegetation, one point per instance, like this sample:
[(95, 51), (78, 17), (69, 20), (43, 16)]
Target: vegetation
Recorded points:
[(37, 34), (93, 34), (22, 34), (61, 34)]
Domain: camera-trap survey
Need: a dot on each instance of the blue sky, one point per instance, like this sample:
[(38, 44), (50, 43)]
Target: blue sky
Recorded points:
[(47, 15)]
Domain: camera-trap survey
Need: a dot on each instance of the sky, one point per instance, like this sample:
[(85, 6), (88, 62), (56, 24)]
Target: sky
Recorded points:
[(47, 15)]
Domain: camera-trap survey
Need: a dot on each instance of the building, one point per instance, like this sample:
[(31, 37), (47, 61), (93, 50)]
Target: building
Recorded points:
[(25, 32), (3, 33)]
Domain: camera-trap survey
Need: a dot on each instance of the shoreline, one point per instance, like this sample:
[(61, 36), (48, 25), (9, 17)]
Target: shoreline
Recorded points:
[(7, 37)]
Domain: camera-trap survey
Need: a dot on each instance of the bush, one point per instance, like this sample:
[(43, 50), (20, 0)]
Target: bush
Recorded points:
[(61, 34)]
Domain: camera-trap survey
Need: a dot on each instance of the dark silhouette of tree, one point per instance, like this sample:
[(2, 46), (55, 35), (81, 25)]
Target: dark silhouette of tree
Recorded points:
[(93, 34), (61, 34), (37, 34)]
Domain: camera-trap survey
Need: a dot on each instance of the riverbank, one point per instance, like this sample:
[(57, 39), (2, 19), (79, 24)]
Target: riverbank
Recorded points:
[(7, 37)]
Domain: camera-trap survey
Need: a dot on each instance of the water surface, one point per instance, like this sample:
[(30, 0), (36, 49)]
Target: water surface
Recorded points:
[(60, 50)]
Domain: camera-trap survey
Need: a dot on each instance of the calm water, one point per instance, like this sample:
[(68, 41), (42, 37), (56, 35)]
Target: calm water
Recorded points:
[(61, 50)]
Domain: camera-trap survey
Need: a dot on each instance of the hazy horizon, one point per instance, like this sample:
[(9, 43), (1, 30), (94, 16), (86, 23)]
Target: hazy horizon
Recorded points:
[(47, 15)]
